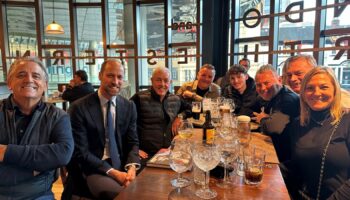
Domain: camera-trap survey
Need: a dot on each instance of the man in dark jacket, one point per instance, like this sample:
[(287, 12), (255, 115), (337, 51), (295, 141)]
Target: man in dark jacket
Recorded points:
[(157, 112), (35, 137), (105, 135), (242, 91), (281, 108), (78, 87)]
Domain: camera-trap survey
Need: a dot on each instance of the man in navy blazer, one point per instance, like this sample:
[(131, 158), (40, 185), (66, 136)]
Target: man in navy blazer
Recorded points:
[(91, 141)]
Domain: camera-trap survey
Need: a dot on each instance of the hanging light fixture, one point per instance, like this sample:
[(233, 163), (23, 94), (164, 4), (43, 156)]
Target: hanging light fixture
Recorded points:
[(54, 28)]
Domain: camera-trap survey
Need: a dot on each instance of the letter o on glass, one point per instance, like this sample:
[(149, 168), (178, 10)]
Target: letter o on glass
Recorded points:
[(258, 18)]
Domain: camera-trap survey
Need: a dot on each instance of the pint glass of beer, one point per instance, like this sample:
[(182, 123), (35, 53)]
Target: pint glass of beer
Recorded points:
[(196, 109)]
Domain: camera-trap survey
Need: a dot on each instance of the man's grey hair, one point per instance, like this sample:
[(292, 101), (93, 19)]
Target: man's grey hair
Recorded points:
[(309, 59), (266, 68), (18, 61), (161, 69)]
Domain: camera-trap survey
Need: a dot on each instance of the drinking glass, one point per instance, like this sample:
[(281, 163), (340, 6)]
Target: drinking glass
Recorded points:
[(230, 104), (180, 194), (244, 137), (229, 152), (206, 157), (185, 129), (207, 104), (225, 127), (196, 109), (254, 161), (180, 159), (243, 130), (215, 114)]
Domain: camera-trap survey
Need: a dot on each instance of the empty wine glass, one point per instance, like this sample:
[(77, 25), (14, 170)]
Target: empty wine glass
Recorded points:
[(206, 157), (180, 159), (185, 129), (229, 152)]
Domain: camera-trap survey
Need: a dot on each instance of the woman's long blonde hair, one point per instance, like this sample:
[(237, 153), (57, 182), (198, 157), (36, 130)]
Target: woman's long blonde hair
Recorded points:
[(335, 108)]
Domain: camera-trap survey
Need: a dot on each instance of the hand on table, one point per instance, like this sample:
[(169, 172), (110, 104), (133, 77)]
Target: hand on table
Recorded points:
[(143, 154)]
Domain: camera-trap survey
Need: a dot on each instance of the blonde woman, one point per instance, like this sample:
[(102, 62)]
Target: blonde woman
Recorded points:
[(320, 140)]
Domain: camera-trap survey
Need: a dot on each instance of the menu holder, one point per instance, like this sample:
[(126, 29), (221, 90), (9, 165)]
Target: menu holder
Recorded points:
[(160, 160)]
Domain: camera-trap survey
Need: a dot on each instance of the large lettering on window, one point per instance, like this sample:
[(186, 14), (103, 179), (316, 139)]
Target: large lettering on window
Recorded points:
[(296, 9)]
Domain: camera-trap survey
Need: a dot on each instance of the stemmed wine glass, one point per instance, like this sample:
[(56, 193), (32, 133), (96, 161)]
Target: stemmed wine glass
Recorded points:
[(185, 129), (206, 157), (180, 159), (229, 152)]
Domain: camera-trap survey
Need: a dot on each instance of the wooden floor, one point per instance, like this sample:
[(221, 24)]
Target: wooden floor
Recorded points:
[(57, 189)]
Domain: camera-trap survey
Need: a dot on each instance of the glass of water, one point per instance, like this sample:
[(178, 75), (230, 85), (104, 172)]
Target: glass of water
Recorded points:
[(180, 159), (206, 157)]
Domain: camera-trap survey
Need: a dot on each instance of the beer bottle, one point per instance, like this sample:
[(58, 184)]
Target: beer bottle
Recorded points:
[(208, 129)]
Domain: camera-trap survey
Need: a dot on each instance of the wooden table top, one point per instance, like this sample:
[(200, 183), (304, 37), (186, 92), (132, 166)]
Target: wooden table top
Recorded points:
[(154, 184)]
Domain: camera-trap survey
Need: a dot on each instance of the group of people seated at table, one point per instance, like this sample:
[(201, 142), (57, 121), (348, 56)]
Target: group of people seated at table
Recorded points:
[(104, 139)]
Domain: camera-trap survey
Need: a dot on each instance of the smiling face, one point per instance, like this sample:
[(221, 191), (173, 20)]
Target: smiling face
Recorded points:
[(27, 82), (205, 78), (296, 72), (319, 92), (161, 82), (238, 81), (267, 85), (111, 79)]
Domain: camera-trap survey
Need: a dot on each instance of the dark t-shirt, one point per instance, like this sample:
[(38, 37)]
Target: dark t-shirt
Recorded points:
[(201, 92)]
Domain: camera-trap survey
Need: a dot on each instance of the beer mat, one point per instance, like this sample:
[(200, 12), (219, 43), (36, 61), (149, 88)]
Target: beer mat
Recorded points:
[(160, 160), (264, 142)]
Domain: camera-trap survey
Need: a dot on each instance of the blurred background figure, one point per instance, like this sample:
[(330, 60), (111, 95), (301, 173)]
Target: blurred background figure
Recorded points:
[(78, 87)]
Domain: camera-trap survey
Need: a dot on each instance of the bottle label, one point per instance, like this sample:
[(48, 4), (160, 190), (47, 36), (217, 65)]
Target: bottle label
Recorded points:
[(210, 136)]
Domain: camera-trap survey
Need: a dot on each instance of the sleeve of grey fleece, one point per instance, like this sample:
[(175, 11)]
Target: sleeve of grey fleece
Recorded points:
[(275, 123)]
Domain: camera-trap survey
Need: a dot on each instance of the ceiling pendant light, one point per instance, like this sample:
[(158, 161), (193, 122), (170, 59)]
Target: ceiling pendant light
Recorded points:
[(53, 27)]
